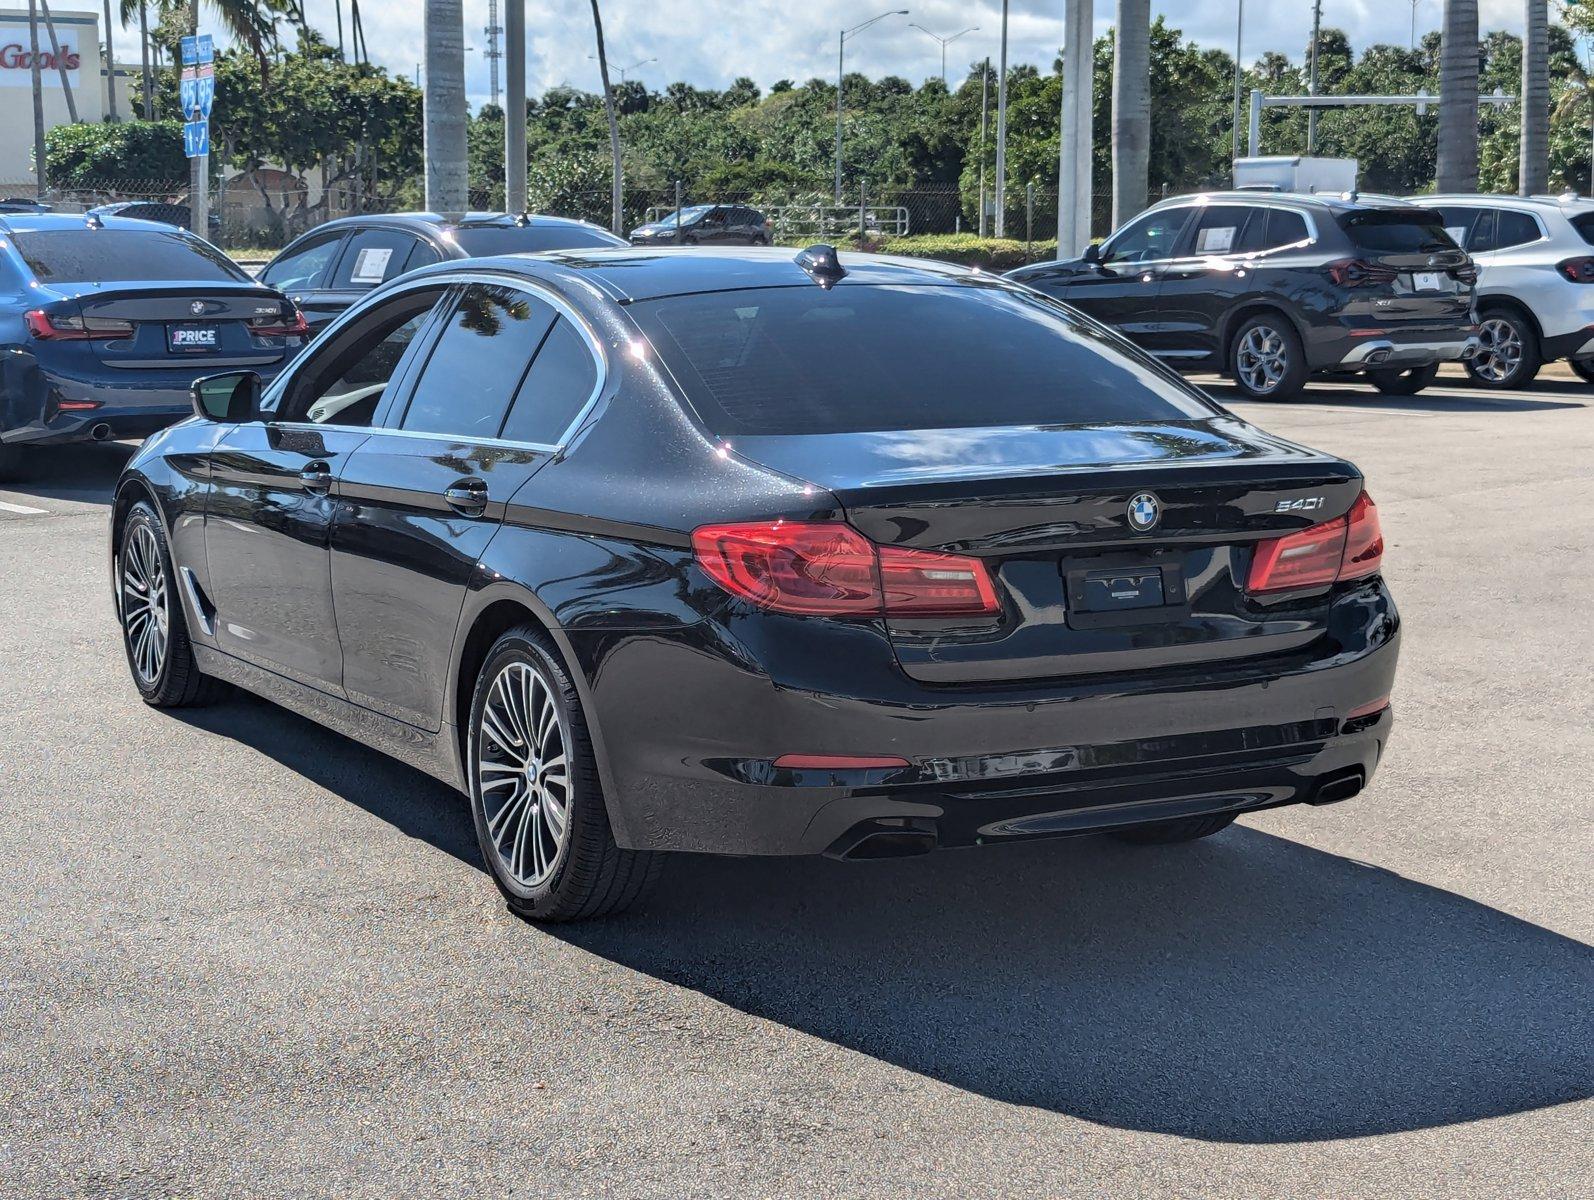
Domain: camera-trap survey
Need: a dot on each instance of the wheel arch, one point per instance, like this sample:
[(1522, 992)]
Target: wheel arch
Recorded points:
[(1503, 300), (487, 616), (1243, 313)]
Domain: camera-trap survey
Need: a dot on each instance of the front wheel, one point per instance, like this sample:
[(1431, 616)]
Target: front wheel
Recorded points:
[(1583, 368), (1266, 360), (154, 629), (535, 794), (1393, 381), (1508, 351), (1185, 829)]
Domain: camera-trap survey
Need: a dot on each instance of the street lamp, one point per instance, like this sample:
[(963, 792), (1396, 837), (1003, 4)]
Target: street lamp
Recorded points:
[(945, 42), (624, 71), (841, 74)]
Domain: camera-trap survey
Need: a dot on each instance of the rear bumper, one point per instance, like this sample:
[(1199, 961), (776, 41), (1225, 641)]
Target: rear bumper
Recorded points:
[(692, 727), (1394, 351)]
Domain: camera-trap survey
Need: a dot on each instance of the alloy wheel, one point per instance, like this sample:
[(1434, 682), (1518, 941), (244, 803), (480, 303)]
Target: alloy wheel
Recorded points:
[(1500, 350), (523, 774), (1262, 359), (146, 603)]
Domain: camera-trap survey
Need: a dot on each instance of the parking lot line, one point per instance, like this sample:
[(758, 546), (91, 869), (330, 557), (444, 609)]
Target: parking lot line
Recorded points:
[(22, 510)]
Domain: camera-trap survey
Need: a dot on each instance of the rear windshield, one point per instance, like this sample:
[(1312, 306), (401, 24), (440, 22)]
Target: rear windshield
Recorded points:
[(123, 255), (529, 239), (868, 357), (1584, 224), (1398, 233)]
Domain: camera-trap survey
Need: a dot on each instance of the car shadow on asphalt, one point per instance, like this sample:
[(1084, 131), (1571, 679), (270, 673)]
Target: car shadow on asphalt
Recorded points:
[(86, 473), (1434, 401), (1241, 989)]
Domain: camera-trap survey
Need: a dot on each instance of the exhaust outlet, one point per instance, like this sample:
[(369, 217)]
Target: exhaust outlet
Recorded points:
[(101, 432), (1341, 785)]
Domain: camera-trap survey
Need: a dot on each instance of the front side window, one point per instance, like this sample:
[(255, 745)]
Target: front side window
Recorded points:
[(1151, 237), (345, 376), (873, 357), (303, 269), (122, 255), (478, 363)]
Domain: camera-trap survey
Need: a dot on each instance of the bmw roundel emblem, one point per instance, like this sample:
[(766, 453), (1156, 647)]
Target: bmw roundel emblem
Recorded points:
[(197, 307), (1145, 510)]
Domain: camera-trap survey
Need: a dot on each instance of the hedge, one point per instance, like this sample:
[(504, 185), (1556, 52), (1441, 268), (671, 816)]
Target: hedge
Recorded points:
[(971, 250)]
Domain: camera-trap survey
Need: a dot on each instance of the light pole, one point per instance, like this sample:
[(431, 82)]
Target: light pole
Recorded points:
[(1414, 4), (945, 42), (1239, 71), (624, 71), (1311, 86), (985, 117), (1001, 133), (841, 74)]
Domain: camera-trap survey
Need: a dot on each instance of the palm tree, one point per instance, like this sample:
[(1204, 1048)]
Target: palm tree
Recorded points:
[(447, 187), (616, 219), (1458, 97), (128, 7), (60, 62), (1131, 109), (1533, 165), (110, 66)]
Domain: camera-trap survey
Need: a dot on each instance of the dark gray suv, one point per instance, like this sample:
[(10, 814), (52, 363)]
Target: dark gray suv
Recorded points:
[(706, 225)]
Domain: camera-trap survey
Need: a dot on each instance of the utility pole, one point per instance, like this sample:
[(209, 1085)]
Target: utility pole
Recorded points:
[(492, 54), (985, 120), (1239, 72), (841, 75), (1074, 198), (1311, 87), (110, 68), (1001, 133), (515, 110), (38, 99)]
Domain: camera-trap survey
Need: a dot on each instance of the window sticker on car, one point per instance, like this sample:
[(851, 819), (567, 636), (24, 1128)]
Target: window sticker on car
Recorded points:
[(1216, 239), (371, 264), (1458, 234)]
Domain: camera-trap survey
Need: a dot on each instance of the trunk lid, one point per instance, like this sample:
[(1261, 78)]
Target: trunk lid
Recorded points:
[(1407, 270), (1048, 510), (175, 325)]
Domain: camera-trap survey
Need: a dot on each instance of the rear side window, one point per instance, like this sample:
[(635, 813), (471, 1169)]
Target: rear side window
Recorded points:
[(478, 363), (372, 256), (866, 357), (531, 239), (120, 255), (1220, 229), (558, 386), (1284, 228), (1584, 224), (1397, 233), (1514, 229)]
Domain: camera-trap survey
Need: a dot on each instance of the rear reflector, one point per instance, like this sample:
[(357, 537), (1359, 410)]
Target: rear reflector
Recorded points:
[(1368, 709), (829, 569), (838, 762), (76, 405), (1348, 547)]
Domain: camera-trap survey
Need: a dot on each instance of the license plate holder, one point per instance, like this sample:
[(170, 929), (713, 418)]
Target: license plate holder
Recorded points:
[(192, 339), (1129, 593), (1427, 281)]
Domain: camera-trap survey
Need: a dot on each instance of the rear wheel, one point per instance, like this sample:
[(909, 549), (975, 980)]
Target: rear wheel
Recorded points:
[(1185, 829), (1395, 382), (536, 797), (154, 628), (1508, 354), (1583, 368), (1266, 359)]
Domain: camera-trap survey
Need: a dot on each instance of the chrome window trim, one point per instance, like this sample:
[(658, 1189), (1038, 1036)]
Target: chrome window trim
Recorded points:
[(447, 280)]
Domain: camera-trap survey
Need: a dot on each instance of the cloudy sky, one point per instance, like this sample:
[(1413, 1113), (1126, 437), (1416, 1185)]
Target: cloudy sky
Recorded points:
[(710, 42)]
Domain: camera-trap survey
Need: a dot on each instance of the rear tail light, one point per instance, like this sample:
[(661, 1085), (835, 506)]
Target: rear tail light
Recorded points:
[(1467, 273), (829, 569), (1358, 272), (68, 327), (285, 325), (1578, 270), (1348, 547)]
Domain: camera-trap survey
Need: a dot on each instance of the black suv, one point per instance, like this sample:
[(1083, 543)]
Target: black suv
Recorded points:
[(1270, 289), (707, 225)]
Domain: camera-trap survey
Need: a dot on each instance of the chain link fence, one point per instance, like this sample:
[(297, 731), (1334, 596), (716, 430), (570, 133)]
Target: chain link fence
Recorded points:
[(265, 210)]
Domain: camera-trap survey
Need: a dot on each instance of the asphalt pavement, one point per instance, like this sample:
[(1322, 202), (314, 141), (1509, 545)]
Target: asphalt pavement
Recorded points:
[(241, 956)]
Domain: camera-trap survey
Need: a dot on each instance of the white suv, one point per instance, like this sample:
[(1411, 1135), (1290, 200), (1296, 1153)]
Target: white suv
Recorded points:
[(1535, 257)]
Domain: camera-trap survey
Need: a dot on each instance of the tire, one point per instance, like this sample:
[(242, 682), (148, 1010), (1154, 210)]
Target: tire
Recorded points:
[(160, 656), (1583, 368), (689, 240), (1167, 833), (1510, 356), (1266, 359), (548, 867), (1393, 381)]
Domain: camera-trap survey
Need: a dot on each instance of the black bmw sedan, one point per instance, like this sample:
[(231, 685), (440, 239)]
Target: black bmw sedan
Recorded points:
[(747, 552), (105, 322)]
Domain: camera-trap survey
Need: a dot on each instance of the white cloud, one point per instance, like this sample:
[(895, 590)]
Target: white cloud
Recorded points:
[(711, 42)]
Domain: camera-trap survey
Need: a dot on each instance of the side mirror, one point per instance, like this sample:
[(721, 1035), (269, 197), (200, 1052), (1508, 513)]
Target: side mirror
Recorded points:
[(1092, 254), (231, 397)]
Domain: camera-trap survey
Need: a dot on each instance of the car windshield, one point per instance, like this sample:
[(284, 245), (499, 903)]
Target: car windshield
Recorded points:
[(484, 240), (123, 255), (873, 357), (1419, 232), (687, 214)]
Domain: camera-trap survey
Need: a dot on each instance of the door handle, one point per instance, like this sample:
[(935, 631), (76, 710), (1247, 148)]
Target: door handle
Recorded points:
[(317, 478), (467, 497)]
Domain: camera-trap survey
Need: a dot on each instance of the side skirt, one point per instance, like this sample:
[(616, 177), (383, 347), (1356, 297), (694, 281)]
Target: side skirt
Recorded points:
[(429, 752)]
